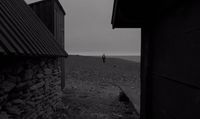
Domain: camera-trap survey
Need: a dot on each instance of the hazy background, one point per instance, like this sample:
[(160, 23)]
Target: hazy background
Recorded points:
[(88, 29)]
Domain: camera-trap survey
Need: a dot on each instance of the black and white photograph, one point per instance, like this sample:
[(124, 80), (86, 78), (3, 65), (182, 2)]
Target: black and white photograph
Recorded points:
[(99, 59)]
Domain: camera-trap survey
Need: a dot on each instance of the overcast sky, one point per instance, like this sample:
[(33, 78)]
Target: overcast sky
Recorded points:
[(88, 29)]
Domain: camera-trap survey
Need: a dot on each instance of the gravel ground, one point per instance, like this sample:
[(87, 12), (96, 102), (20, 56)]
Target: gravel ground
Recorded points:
[(90, 91)]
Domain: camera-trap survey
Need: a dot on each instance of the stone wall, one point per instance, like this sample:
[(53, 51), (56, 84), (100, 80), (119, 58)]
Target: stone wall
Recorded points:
[(29, 88)]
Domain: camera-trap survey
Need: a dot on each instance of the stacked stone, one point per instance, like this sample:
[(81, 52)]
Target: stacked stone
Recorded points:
[(30, 89)]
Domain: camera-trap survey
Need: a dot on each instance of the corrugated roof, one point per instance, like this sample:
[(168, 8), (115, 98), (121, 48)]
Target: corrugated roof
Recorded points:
[(23, 33)]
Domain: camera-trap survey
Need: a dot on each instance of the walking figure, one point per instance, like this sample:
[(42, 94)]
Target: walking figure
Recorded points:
[(104, 58)]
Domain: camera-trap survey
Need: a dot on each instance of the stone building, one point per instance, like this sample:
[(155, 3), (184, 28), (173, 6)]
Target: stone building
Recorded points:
[(30, 67)]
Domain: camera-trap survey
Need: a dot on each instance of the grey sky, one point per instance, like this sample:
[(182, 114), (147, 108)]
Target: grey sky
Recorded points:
[(88, 29)]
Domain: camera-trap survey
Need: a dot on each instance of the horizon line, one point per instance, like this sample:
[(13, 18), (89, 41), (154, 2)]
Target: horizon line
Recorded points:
[(108, 54)]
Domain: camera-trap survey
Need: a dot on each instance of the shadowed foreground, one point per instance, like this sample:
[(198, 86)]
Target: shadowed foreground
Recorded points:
[(91, 88)]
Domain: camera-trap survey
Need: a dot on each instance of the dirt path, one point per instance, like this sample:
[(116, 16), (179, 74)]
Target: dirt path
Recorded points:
[(90, 92), (92, 101)]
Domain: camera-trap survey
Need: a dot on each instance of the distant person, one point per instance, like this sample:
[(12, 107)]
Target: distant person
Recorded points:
[(104, 58)]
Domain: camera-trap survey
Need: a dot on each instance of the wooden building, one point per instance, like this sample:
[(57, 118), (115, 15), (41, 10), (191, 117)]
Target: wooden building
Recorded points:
[(169, 57), (30, 71), (52, 14)]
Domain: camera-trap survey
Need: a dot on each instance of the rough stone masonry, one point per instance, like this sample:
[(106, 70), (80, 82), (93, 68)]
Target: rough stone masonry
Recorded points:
[(29, 88)]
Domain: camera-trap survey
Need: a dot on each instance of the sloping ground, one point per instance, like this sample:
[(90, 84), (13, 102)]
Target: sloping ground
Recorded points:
[(91, 91), (129, 58)]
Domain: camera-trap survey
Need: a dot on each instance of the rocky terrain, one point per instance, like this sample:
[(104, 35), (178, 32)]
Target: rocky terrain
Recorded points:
[(91, 90)]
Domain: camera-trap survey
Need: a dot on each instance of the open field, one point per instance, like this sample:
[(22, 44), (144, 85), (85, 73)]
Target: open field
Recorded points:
[(91, 90)]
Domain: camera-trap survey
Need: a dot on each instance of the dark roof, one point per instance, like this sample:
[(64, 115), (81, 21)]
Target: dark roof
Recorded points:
[(127, 14), (57, 1), (137, 13), (23, 33)]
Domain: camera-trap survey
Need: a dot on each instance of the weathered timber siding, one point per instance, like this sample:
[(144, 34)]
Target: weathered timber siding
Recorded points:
[(173, 82)]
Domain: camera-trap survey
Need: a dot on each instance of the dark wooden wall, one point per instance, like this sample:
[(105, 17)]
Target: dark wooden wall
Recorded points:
[(59, 25), (52, 15), (59, 34), (170, 67), (172, 85), (44, 10)]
